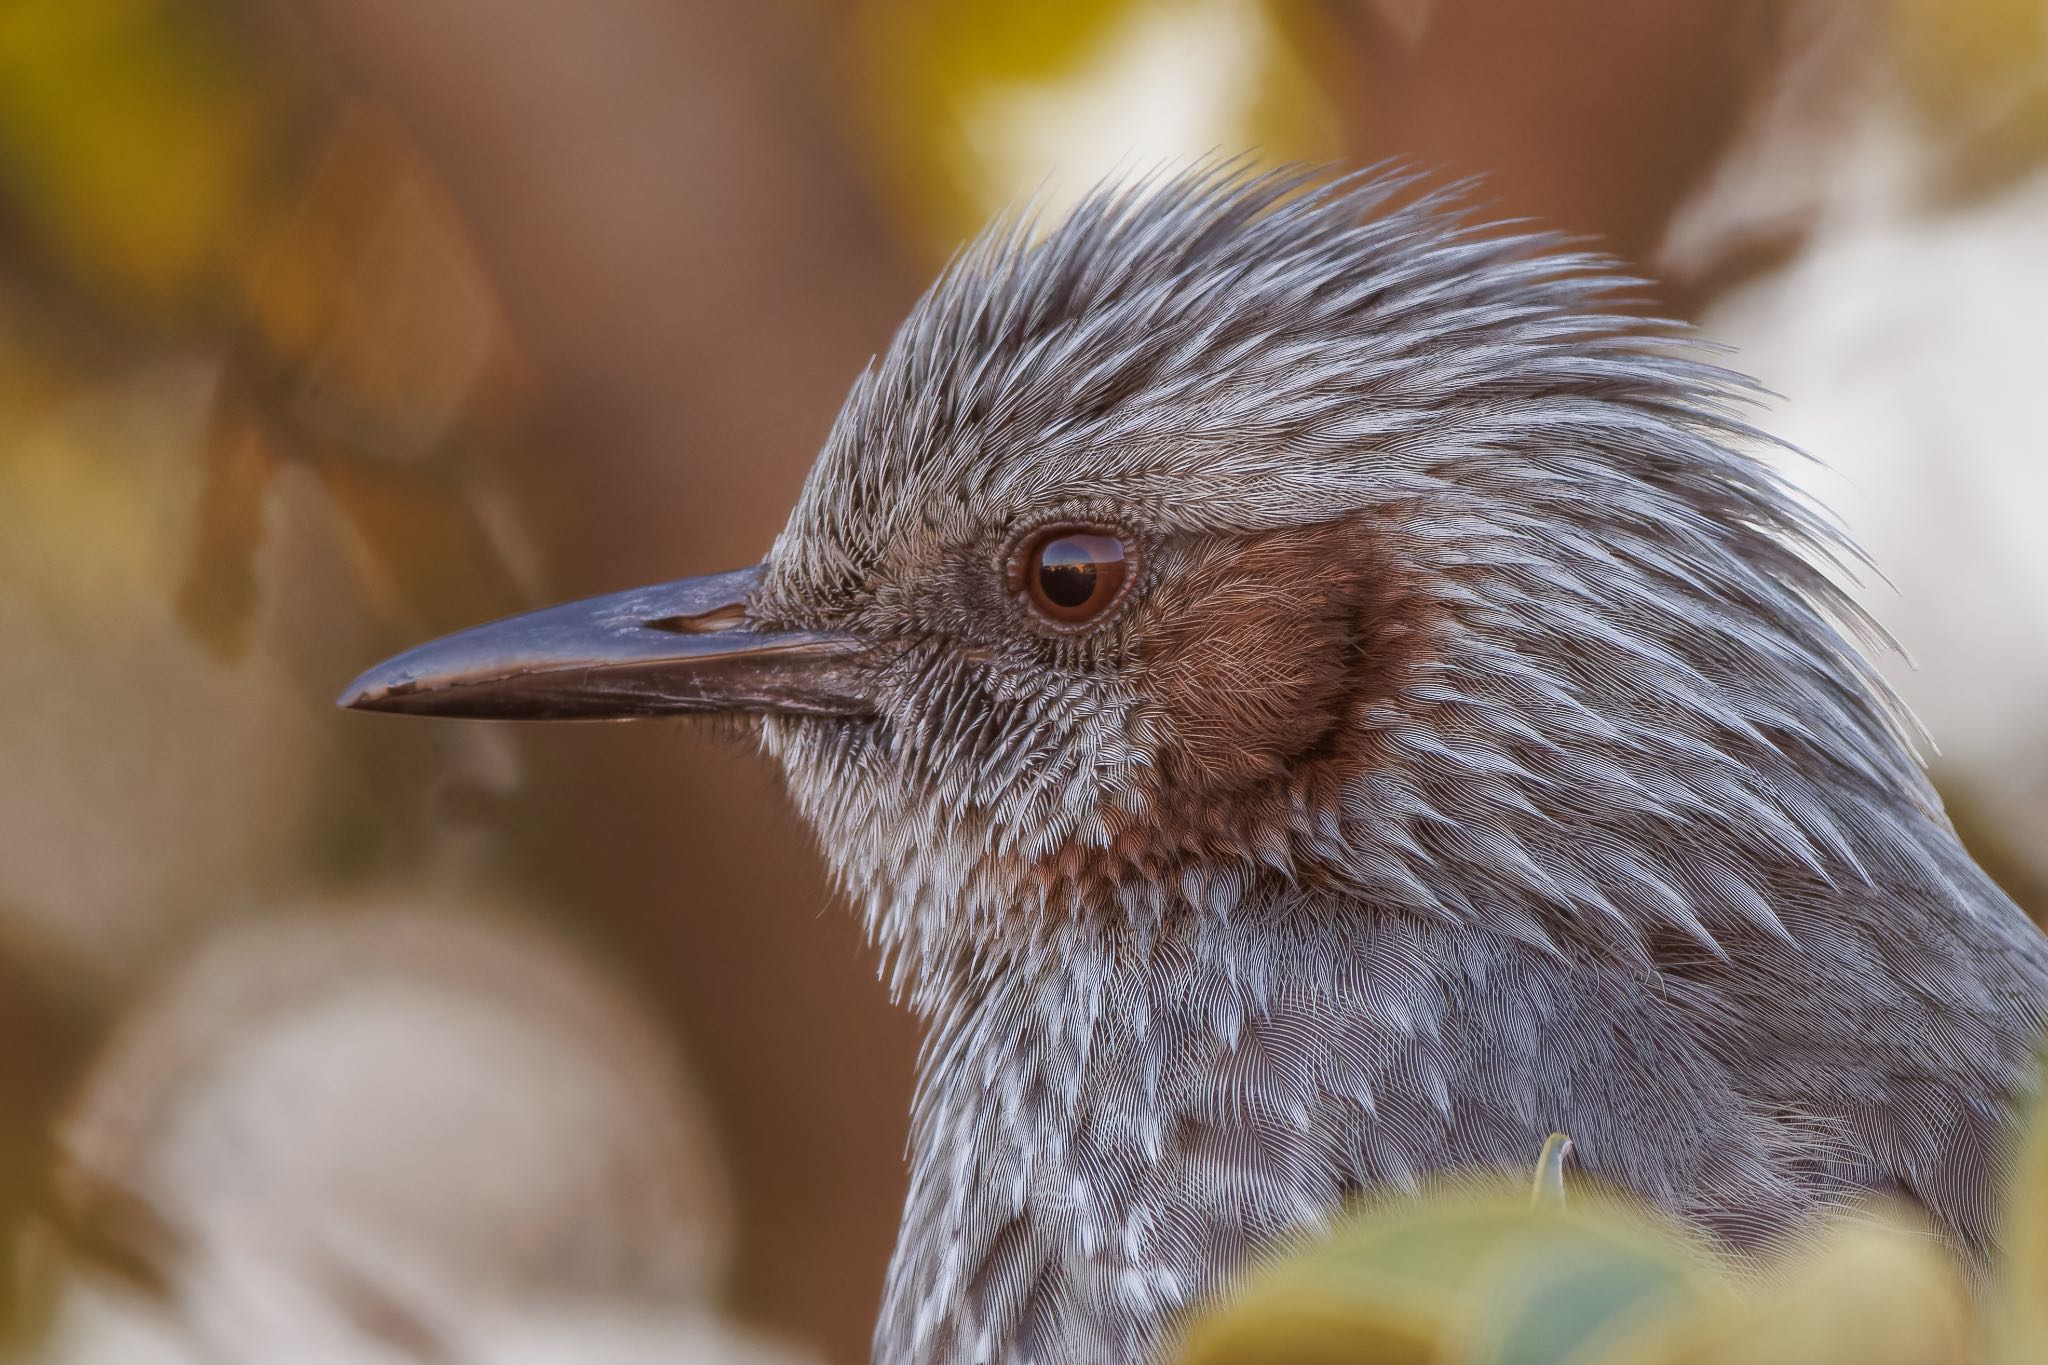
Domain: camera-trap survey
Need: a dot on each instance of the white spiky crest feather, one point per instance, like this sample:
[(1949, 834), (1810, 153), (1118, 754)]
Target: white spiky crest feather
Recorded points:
[(1235, 352)]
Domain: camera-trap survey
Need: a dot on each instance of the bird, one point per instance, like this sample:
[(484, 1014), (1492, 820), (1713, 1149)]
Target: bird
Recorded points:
[(1313, 691)]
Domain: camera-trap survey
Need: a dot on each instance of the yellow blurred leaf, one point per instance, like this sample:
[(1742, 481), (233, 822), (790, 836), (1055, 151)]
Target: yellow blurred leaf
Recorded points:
[(2021, 1326), (297, 281), (969, 104), (1977, 71), (134, 135), (81, 530), (1457, 1279), (1868, 1292), (369, 301), (1316, 1327), (149, 789), (1555, 1304)]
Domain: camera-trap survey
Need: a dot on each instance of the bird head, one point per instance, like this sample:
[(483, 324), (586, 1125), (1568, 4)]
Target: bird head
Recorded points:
[(1245, 537)]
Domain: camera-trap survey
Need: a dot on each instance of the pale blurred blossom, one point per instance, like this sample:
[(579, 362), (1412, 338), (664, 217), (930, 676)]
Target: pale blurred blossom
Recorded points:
[(367, 1135), (1905, 336)]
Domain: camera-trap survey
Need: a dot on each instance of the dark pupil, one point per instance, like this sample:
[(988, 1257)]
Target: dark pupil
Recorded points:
[(1066, 571)]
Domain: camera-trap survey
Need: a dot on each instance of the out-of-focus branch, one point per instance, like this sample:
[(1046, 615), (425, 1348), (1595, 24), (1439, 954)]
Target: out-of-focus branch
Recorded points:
[(677, 236), (696, 274)]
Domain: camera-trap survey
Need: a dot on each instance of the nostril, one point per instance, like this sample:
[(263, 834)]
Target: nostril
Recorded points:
[(728, 617)]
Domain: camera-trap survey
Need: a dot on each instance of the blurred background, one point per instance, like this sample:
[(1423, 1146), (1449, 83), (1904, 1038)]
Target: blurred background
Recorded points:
[(327, 325)]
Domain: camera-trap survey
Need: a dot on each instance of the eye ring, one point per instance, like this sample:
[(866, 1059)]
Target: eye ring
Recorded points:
[(1070, 575)]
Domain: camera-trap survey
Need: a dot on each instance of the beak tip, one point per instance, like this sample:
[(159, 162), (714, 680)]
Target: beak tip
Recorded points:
[(376, 690)]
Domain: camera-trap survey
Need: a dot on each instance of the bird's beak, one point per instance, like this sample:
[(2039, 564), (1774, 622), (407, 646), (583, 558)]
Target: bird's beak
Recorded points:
[(682, 646)]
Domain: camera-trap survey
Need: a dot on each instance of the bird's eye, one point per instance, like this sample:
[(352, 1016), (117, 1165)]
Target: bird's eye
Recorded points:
[(1073, 575)]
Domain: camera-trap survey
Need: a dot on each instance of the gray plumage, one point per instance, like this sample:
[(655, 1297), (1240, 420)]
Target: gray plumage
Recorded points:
[(1312, 698), (1477, 754)]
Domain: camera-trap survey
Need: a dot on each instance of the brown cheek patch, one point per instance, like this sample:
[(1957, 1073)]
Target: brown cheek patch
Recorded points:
[(1258, 651), (1259, 659)]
